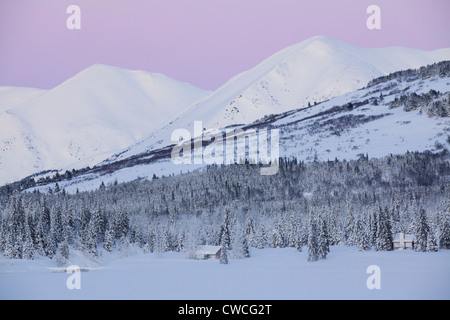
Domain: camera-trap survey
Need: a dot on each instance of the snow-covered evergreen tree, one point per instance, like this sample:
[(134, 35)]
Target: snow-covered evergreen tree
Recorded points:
[(277, 236), (250, 231), (422, 230), (261, 238), (39, 243), (384, 241), (240, 245), (108, 245), (28, 246), (51, 244), (225, 236), (180, 241), (65, 250), (444, 237), (323, 246), (373, 228), (124, 244), (10, 252), (313, 244), (91, 241), (245, 247), (223, 252), (362, 238), (99, 224), (432, 243), (349, 230), (299, 238)]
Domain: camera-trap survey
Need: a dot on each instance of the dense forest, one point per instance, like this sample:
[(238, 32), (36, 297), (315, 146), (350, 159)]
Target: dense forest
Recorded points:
[(361, 203)]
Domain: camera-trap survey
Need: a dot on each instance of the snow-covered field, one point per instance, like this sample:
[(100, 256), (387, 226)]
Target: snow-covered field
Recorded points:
[(269, 274)]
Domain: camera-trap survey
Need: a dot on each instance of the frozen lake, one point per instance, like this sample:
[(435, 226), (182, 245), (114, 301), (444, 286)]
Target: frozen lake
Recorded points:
[(269, 274)]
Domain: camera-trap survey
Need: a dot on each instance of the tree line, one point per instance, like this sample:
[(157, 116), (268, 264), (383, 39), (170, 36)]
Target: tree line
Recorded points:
[(361, 203)]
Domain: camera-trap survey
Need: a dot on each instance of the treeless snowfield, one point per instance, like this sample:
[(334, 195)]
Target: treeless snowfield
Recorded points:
[(269, 274)]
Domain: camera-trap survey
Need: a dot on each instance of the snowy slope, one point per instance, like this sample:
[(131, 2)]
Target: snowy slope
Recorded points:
[(323, 132), (13, 96), (89, 117), (375, 130), (314, 70)]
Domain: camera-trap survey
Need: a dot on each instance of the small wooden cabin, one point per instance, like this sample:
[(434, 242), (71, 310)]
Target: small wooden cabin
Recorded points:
[(404, 241), (207, 252)]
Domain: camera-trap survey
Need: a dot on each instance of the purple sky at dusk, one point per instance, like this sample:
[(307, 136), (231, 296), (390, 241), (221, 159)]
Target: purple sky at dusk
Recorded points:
[(203, 42)]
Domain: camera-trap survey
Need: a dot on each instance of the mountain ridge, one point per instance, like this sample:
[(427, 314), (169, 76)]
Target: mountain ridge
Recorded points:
[(87, 118), (372, 122), (111, 113), (283, 82)]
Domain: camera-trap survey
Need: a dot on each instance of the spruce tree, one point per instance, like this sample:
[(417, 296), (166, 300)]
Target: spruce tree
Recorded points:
[(384, 241), (432, 243), (224, 252), (150, 243), (91, 242), (225, 237), (250, 232), (240, 245), (39, 244), (349, 230), (444, 238), (180, 241), (44, 217), (277, 236), (166, 241), (99, 224), (9, 247), (108, 245), (122, 224), (261, 238), (65, 252), (323, 247), (313, 245), (28, 247), (373, 228), (51, 245), (362, 239), (422, 229), (124, 245), (299, 240), (245, 248)]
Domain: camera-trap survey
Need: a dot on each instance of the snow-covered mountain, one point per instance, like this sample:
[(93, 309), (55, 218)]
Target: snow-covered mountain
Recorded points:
[(118, 115), (86, 119), (312, 71), (406, 111)]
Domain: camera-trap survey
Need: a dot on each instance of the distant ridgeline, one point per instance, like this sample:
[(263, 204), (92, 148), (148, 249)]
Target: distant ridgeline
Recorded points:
[(361, 203)]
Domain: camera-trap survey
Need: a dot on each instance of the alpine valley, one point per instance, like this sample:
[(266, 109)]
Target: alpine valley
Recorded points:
[(329, 99), (360, 192)]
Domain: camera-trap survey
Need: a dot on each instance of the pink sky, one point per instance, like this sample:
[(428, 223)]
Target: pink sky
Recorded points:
[(203, 42)]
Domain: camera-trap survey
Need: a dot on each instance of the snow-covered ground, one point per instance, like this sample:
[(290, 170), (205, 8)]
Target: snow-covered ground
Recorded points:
[(269, 274)]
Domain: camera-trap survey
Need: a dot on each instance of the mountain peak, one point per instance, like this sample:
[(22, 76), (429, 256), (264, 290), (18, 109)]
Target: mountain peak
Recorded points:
[(97, 112), (320, 44), (322, 39)]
